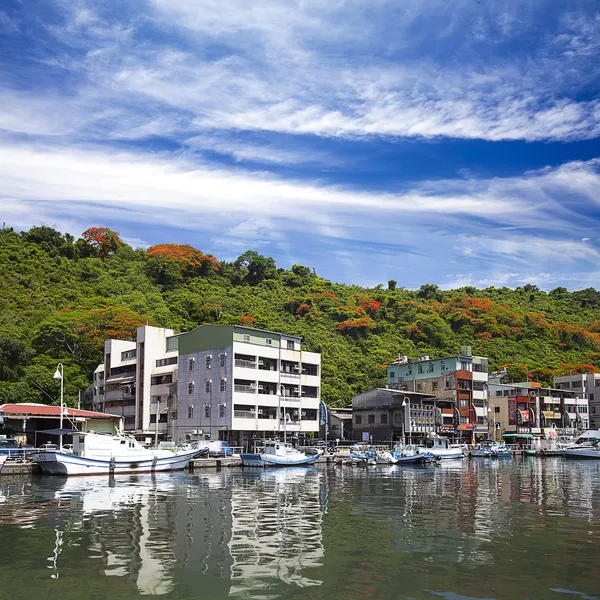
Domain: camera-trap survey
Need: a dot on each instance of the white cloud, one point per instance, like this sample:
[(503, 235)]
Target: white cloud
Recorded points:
[(341, 69)]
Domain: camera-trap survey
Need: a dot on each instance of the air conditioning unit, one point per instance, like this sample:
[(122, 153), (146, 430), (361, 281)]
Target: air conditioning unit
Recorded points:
[(261, 363), (303, 413), (261, 411), (261, 387), (296, 368), (296, 390)]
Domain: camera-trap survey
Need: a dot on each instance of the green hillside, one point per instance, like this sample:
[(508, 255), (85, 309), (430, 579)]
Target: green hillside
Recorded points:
[(61, 298)]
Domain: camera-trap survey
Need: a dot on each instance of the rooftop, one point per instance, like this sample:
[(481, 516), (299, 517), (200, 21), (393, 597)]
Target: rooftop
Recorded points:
[(32, 409)]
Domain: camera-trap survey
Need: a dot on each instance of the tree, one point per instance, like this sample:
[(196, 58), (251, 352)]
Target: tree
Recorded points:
[(189, 261), (429, 291), (392, 285), (253, 268), (102, 240)]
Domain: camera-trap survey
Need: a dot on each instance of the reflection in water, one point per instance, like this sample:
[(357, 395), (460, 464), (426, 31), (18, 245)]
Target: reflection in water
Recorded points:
[(470, 529)]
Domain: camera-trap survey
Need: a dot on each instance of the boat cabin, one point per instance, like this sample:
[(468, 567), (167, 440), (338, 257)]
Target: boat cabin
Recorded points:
[(86, 444)]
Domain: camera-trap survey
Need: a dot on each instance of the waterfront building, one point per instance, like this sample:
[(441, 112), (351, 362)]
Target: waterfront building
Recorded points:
[(586, 385), (459, 383), (241, 384), (36, 424), (338, 426), (135, 381), (529, 409), (386, 415)]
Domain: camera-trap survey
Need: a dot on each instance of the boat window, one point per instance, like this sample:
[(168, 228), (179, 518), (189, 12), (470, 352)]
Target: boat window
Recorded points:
[(123, 442), (276, 447)]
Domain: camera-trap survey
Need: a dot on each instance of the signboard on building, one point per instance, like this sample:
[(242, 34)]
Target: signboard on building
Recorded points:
[(466, 427), (512, 410), (365, 436)]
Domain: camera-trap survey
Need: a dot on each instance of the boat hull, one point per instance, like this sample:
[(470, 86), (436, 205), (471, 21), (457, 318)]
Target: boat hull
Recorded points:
[(447, 454), (60, 463), (263, 461), (582, 453), (3, 459)]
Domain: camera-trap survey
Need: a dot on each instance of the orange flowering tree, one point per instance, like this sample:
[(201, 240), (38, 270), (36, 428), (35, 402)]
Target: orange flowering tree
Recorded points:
[(102, 240), (189, 260)]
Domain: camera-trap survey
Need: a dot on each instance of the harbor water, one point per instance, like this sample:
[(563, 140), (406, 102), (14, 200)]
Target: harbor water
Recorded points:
[(478, 529)]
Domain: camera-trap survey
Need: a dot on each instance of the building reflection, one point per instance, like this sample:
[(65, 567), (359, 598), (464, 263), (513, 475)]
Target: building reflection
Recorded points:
[(276, 529)]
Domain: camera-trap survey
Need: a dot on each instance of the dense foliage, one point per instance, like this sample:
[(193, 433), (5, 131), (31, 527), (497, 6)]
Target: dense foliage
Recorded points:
[(61, 298)]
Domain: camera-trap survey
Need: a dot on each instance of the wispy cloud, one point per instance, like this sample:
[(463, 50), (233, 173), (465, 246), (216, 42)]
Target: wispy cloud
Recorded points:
[(467, 222)]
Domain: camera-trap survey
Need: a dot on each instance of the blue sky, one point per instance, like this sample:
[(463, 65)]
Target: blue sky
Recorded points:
[(454, 143)]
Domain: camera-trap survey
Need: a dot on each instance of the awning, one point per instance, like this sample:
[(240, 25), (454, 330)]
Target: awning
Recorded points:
[(527, 436), (480, 411), (59, 431), (121, 379)]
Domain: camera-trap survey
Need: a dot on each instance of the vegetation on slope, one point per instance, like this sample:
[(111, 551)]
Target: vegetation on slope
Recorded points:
[(61, 298)]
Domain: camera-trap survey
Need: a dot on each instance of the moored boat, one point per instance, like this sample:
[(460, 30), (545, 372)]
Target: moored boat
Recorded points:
[(3, 459), (481, 451), (100, 454), (279, 454), (412, 455), (583, 451), (441, 448)]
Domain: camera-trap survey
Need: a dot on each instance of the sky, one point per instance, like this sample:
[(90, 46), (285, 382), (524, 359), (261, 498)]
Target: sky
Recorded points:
[(425, 141)]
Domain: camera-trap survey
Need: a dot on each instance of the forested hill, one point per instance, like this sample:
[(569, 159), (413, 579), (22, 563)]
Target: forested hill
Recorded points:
[(61, 298)]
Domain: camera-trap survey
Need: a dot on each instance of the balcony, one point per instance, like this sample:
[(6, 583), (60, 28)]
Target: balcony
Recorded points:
[(246, 364), (244, 414), (245, 389)]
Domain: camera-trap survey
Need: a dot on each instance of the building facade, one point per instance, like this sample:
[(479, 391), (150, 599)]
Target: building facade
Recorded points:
[(528, 408), (459, 383), (135, 381), (386, 415), (585, 385), (241, 384)]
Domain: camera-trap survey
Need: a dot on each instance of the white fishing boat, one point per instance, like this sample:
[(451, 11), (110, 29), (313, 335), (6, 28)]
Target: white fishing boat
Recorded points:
[(99, 454), (481, 451), (585, 450), (3, 459), (441, 448), (278, 454)]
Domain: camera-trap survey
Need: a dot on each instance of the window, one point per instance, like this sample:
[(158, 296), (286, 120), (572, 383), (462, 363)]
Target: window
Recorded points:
[(419, 387), (163, 362), (398, 417), (191, 363), (478, 386), (207, 411), (464, 365), (464, 419), (161, 379), (593, 410), (442, 365), (190, 387), (496, 409), (420, 368), (371, 419), (290, 344), (591, 397), (464, 403), (222, 410), (410, 370), (190, 412), (384, 418), (223, 385), (268, 341), (434, 386), (358, 419), (447, 386), (208, 386), (246, 337), (392, 375), (208, 361), (430, 368), (128, 354), (222, 360)]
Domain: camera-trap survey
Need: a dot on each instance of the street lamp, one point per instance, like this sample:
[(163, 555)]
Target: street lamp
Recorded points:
[(406, 404), (60, 374), (490, 406)]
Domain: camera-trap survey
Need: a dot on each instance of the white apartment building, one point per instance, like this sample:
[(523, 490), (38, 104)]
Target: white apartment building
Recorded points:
[(136, 381), (586, 385), (241, 384)]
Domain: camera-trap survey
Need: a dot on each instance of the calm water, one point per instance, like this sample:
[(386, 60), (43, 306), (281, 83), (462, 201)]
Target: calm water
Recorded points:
[(478, 529)]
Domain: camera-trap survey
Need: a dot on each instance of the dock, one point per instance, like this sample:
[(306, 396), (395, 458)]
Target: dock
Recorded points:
[(233, 461)]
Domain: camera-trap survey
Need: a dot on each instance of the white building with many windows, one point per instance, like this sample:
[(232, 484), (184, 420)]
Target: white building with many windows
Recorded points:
[(586, 385), (241, 384), (136, 381)]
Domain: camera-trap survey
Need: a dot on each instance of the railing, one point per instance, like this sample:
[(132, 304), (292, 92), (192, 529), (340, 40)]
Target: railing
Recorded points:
[(246, 389), (268, 391), (248, 364), (291, 374), (244, 414)]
